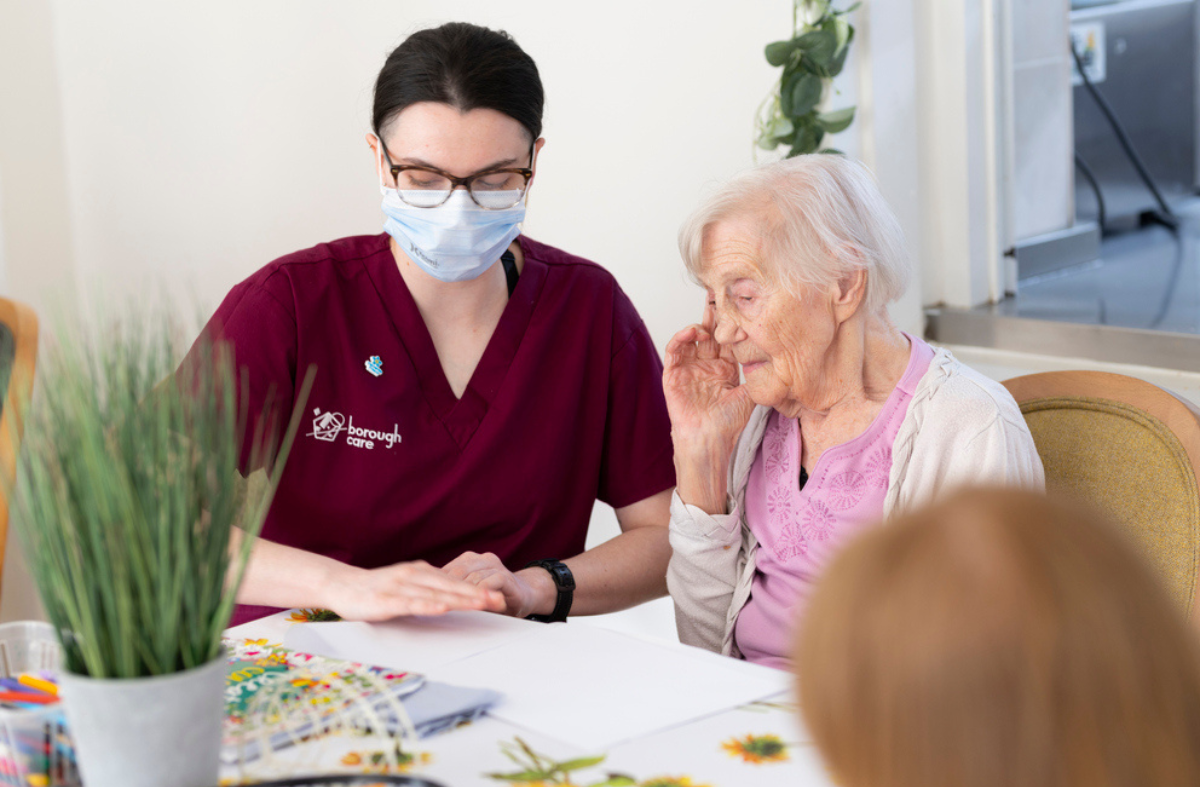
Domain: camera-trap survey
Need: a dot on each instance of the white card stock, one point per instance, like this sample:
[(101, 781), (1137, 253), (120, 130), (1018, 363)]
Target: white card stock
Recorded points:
[(414, 644), (595, 688), (590, 687)]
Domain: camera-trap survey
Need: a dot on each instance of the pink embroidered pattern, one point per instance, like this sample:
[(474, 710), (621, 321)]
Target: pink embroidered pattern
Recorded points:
[(782, 516), (776, 450), (878, 466), (818, 522), (791, 542), (846, 489), (779, 504)]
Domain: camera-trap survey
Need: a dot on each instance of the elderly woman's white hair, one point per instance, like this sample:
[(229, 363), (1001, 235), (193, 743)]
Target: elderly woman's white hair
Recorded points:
[(828, 219)]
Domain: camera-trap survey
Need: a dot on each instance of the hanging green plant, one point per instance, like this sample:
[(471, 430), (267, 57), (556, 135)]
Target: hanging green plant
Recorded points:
[(792, 113)]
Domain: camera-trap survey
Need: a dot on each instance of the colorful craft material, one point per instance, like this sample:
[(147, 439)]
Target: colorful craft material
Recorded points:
[(276, 697), (34, 697), (40, 684)]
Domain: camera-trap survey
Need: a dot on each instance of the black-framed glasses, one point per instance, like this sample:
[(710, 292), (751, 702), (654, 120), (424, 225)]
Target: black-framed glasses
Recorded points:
[(492, 189)]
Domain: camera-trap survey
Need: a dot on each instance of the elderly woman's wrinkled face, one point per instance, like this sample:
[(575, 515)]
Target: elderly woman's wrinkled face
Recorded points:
[(779, 340)]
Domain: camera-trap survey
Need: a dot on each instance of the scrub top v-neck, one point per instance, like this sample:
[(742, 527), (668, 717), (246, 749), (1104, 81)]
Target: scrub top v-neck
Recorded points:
[(565, 407), (460, 415)]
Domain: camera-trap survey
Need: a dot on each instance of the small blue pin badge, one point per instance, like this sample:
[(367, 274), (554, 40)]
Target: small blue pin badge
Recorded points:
[(374, 365)]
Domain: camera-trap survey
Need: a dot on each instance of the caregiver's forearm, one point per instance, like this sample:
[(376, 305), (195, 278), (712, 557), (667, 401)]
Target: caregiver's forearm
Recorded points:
[(622, 572), (283, 576)]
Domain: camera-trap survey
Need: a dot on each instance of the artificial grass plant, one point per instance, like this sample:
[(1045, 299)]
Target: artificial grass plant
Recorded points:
[(129, 492)]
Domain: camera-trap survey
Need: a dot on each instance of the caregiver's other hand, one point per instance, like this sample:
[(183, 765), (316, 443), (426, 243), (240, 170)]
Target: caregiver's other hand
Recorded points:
[(415, 588), (526, 592)]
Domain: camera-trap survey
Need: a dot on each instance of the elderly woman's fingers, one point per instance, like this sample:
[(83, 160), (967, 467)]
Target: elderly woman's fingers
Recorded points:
[(694, 342), (682, 347), (707, 348), (709, 321)]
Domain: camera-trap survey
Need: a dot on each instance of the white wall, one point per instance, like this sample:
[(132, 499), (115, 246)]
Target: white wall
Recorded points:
[(35, 221), (203, 139)]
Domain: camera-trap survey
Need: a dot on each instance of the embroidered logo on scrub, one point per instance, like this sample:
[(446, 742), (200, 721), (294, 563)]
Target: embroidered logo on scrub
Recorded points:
[(327, 426), (374, 365)]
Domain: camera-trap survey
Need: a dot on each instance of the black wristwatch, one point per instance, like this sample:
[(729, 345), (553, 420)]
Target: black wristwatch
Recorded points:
[(564, 581)]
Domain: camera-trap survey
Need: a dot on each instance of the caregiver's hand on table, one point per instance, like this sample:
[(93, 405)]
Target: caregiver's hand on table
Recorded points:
[(522, 591), (708, 408), (415, 588), (624, 571), (284, 576)]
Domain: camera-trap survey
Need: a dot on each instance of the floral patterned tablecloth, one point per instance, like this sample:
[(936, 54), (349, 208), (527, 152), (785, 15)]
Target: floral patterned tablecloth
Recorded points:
[(762, 743)]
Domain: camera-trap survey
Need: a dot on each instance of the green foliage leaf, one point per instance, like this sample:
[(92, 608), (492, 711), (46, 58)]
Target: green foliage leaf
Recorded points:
[(816, 69), (831, 152), (818, 45), (786, 86), (521, 776), (616, 780), (779, 52), (805, 93), (581, 762), (839, 60), (779, 127), (842, 30), (808, 138), (838, 120)]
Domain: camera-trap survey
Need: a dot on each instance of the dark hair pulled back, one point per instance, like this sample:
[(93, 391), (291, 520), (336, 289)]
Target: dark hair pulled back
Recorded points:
[(465, 66)]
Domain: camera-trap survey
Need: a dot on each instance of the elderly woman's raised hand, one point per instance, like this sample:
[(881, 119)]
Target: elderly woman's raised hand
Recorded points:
[(709, 409)]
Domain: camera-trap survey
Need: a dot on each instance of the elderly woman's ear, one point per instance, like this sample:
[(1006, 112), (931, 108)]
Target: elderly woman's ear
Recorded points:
[(848, 294)]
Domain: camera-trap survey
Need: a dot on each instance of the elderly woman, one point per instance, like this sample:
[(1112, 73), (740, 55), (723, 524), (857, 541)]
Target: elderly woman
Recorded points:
[(842, 418)]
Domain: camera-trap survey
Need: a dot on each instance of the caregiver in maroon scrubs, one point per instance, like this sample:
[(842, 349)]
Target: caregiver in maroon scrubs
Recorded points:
[(476, 390)]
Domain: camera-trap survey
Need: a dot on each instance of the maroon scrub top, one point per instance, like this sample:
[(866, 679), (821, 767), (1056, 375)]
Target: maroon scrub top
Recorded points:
[(565, 407)]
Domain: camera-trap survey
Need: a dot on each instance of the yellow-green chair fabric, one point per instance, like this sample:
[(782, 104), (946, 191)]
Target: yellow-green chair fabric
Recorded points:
[(1127, 447)]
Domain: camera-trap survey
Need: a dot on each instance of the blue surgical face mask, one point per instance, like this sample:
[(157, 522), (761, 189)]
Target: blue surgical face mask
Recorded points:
[(455, 241)]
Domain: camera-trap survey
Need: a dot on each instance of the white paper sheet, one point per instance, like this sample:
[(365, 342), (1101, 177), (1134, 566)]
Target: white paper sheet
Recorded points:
[(414, 644), (595, 688)]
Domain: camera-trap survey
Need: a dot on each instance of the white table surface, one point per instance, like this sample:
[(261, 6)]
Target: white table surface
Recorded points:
[(704, 752)]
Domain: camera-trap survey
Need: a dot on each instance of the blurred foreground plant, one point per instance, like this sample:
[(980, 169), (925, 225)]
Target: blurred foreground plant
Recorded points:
[(129, 492)]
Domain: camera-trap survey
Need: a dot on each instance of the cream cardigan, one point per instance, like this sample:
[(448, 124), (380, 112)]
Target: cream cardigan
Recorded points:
[(960, 428)]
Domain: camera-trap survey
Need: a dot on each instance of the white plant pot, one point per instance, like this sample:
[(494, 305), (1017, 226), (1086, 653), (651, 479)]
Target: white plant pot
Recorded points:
[(147, 732)]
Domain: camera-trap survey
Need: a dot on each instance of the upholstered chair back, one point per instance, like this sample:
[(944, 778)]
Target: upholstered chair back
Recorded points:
[(1131, 449)]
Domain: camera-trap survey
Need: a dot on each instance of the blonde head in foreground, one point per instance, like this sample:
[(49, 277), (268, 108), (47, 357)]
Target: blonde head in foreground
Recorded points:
[(999, 638)]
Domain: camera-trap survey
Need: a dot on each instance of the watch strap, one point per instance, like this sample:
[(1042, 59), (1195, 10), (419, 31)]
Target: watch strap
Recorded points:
[(564, 583)]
